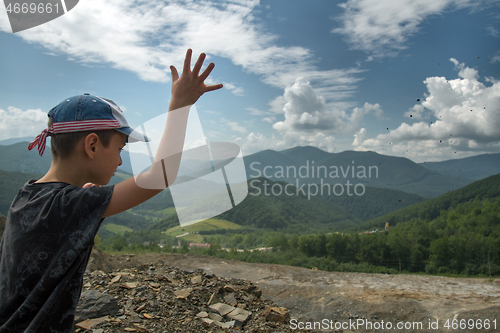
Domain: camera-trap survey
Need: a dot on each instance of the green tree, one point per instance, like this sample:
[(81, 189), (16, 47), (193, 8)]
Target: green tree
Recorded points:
[(307, 244), (439, 256), (399, 245), (118, 243)]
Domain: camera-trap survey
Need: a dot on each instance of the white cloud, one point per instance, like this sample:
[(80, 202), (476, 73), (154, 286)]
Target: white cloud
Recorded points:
[(16, 123), (382, 27), (233, 125), (417, 112), (147, 37), (257, 112), (495, 58), (360, 136), (238, 91), (309, 121), (218, 113), (277, 104), (306, 111), (4, 20), (465, 72), (493, 32), (466, 119)]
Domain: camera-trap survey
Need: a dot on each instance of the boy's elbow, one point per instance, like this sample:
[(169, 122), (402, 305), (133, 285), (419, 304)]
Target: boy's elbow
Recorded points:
[(156, 178)]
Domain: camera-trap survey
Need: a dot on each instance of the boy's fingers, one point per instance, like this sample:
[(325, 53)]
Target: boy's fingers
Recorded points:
[(175, 74), (199, 63), (207, 71), (187, 61), (213, 87)]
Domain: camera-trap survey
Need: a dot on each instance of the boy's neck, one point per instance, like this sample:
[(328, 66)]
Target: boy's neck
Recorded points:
[(65, 171)]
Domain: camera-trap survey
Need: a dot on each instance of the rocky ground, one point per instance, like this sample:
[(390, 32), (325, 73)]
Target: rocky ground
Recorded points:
[(155, 297), (190, 293)]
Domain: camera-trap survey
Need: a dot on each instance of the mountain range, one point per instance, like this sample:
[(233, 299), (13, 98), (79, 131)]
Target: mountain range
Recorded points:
[(484, 189), (297, 212), (307, 165), (396, 173), (475, 167), (388, 184)]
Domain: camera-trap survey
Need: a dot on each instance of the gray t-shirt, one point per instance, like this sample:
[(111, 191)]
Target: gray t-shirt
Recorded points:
[(44, 251)]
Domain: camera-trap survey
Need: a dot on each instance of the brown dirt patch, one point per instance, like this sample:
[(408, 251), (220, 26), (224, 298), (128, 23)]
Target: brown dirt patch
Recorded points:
[(312, 295)]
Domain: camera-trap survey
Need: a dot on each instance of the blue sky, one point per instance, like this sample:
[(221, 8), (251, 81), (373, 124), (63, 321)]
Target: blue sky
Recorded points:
[(398, 77)]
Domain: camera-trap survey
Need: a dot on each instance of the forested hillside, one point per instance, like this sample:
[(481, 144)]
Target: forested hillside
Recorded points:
[(291, 213), (488, 188), (300, 213), (374, 202), (17, 158), (457, 233), (464, 240)]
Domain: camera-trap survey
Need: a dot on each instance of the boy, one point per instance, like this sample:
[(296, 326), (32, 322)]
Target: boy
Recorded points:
[(52, 222)]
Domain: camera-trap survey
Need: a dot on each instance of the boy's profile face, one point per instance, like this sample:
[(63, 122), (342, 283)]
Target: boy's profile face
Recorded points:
[(108, 159)]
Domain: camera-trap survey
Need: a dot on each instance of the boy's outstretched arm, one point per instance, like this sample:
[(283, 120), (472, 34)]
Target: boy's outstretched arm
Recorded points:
[(186, 89)]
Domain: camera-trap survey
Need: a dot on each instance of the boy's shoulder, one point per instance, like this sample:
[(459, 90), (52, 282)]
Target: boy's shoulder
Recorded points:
[(57, 187), (37, 193), (57, 202)]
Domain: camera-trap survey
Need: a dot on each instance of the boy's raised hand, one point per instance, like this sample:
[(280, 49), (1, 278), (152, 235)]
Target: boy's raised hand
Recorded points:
[(190, 86), (186, 89)]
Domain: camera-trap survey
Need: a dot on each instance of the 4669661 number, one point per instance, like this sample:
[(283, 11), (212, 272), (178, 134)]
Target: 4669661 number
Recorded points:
[(25, 8), (464, 324)]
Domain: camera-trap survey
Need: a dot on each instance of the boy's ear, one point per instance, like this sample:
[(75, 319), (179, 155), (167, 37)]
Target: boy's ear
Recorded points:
[(91, 142)]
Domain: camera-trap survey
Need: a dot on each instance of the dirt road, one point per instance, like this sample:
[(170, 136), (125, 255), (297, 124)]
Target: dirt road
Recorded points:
[(332, 299)]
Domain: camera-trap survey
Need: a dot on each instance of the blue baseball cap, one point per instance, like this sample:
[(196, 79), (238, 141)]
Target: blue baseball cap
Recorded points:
[(86, 113)]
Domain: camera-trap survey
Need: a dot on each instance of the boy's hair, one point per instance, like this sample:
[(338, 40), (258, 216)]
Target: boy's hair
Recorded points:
[(63, 144)]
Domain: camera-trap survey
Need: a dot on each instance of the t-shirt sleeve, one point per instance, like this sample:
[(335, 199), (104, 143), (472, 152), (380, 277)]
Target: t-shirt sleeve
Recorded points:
[(82, 211)]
